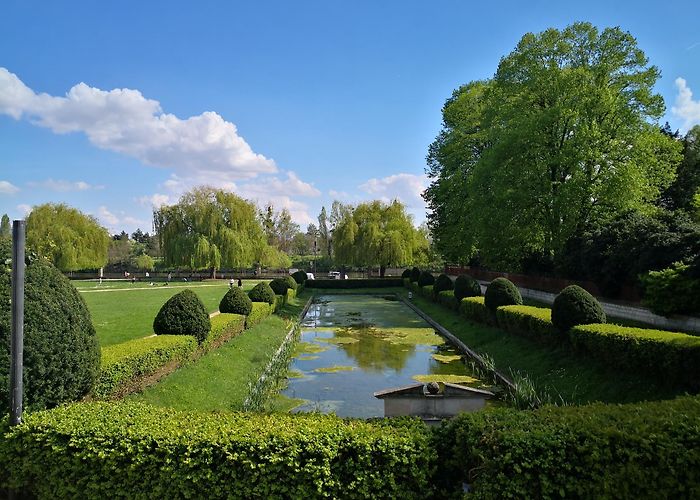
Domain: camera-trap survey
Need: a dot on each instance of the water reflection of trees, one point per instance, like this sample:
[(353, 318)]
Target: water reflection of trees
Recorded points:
[(374, 352)]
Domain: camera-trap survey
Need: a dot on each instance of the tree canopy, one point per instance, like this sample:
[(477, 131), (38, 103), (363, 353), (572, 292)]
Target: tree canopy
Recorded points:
[(564, 134), (211, 228), (68, 238)]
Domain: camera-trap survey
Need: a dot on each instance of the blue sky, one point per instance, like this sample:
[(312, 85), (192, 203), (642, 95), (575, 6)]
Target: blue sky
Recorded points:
[(112, 107)]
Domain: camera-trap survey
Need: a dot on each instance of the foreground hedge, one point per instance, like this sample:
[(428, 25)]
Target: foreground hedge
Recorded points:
[(673, 356), (355, 283), (130, 450), (223, 327), (259, 312), (473, 308), (528, 321), (123, 363), (643, 450)]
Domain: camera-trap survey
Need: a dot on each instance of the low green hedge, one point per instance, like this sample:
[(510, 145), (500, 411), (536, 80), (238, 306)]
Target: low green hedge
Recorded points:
[(355, 283), (447, 298), (415, 288), (528, 321), (673, 356), (641, 450), (475, 309), (407, 282), (280, 300), (123, 363), (131, 450), (427, 291), (223, 327), (259, 312)]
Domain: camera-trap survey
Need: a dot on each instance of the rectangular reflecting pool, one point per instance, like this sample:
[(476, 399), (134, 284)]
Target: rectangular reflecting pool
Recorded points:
[(354, 345)]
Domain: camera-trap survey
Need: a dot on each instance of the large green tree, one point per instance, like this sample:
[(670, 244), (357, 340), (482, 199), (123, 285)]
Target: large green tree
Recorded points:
[(71, 240), (563, 134), (211, 228), (377, 234)]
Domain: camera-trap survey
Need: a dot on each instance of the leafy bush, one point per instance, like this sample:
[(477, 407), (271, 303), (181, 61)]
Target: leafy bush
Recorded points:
[(672, 291), (224, 326), (638, 450), (673, 356), (259, 312), (528, 321), (132, 450), (415, 274), (575, 306), (183, 314), (354, 283), (291, 282), (442, 283), (447, 298), (501, 292), (473, 308), (406, 274), (236, 301), (425, 279), (300, 277), (466, 286), (426, 291), (262, 293), (407, 282), (281, 285), (61, 351), (124, 364)]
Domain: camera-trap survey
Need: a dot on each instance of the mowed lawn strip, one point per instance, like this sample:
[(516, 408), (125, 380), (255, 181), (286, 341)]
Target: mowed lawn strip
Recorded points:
[(219, 380), (127, 314), (553, 369)]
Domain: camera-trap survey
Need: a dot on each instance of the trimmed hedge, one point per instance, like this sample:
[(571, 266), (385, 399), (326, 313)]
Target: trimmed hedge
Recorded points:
[(262, 293), (466, 286), (300, 277), (575, 306), (123, 364), (236, 301), (131, 450), (415, 274), (673, 356), (259, 312), (281, 285), (224, 326), (426, 291), (442, 283), (640, 450), (183, 314), (406, 274), (473, 308), (502, 292), (528, 321), (447, 298), (354, 283), (426, 279)]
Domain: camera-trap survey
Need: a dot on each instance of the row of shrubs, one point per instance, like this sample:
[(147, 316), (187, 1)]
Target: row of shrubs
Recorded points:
[(130, 450), (577, 320)]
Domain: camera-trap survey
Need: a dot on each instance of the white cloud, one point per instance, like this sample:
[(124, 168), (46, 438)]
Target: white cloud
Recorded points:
[(116, 223), (62, 186), (24, 209), (123, 120), (686, 108), (156, 200), (107, 217), (8, 188), (407, 188)]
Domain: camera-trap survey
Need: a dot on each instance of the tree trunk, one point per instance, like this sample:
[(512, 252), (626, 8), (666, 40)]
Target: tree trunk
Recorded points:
[(382, 270), (213, 273)]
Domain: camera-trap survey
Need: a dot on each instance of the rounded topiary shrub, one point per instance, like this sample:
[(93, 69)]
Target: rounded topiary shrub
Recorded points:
[(183, 314), (262, 293), (501, 292), (575, 306), (426, 279), (299, 277), (61, 351), (466, 286), (406, 274), (442, 283), (415, 274), (280, 285), (236, 301), (291, 282)]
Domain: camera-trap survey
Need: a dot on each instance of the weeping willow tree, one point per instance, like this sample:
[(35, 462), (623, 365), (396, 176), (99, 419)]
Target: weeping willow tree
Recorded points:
[(376, 234), (71, 240), (211, 229)]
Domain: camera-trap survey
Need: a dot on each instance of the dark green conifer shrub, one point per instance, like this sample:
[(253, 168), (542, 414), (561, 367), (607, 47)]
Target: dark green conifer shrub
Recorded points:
[(406, 274), (501, 292), (280, 286), (61, 351), (262, 293), (466, 286), (299, 277), (415, 274), (575, 306), (291, 282), (426, 279), (442, 283), (183, 314), (236, 301)]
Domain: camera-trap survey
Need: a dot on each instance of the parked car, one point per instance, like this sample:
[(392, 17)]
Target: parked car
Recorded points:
[(334, 275)]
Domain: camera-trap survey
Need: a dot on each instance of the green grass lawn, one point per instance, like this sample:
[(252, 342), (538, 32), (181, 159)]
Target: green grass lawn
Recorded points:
[(556, 370), (121, 311)]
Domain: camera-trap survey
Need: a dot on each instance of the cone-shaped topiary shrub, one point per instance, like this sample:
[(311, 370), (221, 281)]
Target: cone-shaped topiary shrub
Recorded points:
[(280, 286), (415, 274), (466, 286), (442, 283), (406, 274), (236, 301), (61, 351), (501, 292), (183, 314), (426, 279), (299, 277), (575, 306), (262, 293)]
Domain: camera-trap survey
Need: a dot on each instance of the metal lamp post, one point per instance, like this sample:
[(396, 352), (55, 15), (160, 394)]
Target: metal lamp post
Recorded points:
[(17, 338)]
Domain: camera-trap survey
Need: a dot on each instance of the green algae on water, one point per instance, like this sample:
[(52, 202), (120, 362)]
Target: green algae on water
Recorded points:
[(308, 348), (443, 358), (450, 379), (334, 369)]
